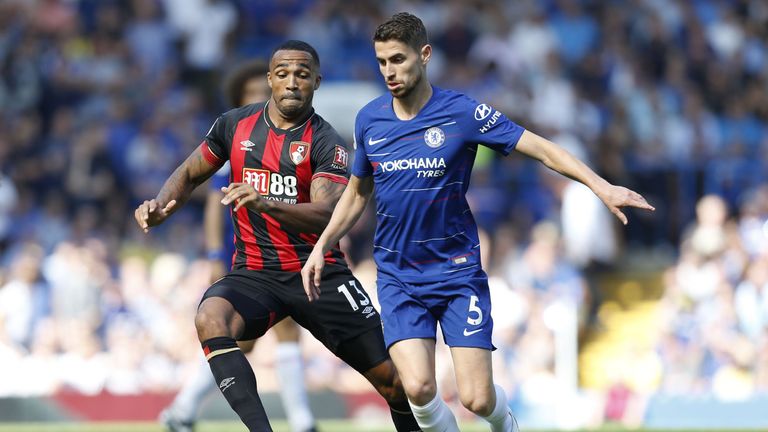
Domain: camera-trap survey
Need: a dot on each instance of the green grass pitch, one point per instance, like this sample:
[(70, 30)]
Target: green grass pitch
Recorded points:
[(325, 426)]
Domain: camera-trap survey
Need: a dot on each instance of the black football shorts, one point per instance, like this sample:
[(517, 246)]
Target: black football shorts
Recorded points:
[(343, 319)]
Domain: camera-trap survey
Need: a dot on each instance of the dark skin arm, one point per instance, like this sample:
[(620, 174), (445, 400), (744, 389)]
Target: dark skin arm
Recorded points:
[(176, 190), (311, 217)]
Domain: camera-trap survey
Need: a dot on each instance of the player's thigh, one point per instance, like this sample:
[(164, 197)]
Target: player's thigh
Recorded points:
[(287, 330), (466, 321), (342, 312), (474, 376), (404, 315), (415, 363), (247, 293), (367, 354)]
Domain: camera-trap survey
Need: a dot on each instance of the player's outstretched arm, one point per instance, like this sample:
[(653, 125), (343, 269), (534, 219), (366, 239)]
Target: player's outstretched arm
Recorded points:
[(345, 215), (558, 159), (176, 190)]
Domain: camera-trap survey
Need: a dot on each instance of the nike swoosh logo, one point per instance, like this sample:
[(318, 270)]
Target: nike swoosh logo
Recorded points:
[(372, 141), (470, 333)]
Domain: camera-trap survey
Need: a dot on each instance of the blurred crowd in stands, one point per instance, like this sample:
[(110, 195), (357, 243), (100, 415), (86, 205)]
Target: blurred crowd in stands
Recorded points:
[(715, 305), (99, 100)]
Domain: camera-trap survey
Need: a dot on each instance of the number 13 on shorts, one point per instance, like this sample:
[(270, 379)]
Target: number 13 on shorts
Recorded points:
[(361, 296)]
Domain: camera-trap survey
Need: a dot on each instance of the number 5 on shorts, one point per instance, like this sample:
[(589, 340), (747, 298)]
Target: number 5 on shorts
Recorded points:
[(474, 308), (364, 301)]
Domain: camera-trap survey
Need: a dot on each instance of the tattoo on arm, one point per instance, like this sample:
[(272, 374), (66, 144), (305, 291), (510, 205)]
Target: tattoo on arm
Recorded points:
[(190, 174), (199, 169), (324, 190)]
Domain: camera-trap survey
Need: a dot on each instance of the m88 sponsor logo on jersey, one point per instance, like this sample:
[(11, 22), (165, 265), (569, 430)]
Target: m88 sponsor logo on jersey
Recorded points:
[(272, 185)]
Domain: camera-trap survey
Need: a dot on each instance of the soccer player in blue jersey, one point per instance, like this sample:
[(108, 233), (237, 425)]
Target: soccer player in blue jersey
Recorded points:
[(415, 149)]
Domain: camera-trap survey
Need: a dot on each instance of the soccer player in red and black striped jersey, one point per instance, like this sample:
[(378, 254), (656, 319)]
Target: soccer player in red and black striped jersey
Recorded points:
[(246, 85), (288, 170)]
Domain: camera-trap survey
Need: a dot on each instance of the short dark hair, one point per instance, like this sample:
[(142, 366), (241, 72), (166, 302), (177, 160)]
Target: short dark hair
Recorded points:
[(404, 27), (234, 86), (297, 45)]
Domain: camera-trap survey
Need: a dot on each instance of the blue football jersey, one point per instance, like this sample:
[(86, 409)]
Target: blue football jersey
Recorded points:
[(421, 170), (219, 180)]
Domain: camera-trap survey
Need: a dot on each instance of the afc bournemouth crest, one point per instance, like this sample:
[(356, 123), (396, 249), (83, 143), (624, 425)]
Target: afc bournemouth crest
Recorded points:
[(299, 151), (434, 137)]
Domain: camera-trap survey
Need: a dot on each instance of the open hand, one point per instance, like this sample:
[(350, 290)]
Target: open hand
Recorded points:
[(312, 272), (616, 197)]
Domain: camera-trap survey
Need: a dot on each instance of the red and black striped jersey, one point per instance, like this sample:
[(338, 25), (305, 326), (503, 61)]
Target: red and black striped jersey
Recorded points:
[(280, 164)]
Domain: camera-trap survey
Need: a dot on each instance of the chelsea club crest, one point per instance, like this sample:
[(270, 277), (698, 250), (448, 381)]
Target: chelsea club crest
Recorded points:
[(434, 137)]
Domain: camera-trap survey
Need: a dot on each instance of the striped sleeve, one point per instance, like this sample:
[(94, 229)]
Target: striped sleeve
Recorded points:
[(215, 143)]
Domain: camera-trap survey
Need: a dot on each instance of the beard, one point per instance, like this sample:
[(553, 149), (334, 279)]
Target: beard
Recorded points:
[(406, 90), (403, 92)]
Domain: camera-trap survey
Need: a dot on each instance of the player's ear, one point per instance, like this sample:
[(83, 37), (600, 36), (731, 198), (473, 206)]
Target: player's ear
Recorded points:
[(426, 53), (317, 81), (269, 79)]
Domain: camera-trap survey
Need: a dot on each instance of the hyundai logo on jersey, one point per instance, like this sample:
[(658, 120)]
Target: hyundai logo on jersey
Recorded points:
[(482, 111)]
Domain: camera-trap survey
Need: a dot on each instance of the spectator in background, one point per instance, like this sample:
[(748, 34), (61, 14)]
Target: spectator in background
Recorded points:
[(76, 276), (576, 31), (541, 271), (150, 39), (25, 297), (204, 51), (8, 200), (589, 235), (752, 220), (751, 300)]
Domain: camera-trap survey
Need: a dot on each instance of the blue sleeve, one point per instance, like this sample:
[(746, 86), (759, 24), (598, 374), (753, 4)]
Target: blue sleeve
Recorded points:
[(361, 166), (220, 179), (483, 124)]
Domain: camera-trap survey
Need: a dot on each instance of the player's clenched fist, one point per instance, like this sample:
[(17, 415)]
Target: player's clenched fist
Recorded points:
[(149, 213), (243, 194)]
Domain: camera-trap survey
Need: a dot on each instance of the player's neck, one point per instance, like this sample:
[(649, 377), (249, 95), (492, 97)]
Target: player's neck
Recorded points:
[(408, 107)]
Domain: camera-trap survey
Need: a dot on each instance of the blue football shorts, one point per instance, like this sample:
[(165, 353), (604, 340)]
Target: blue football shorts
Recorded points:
[(461, 304)]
